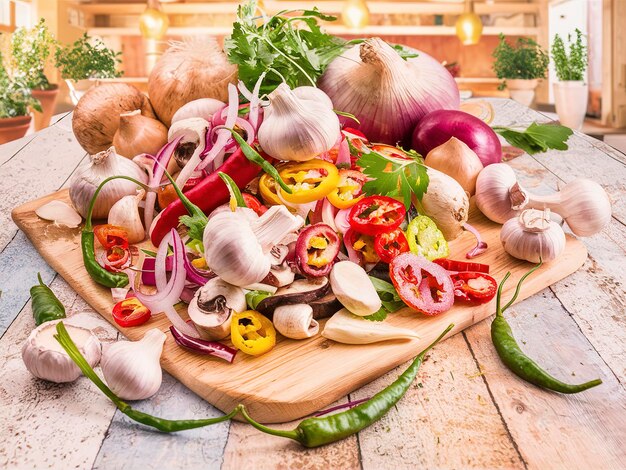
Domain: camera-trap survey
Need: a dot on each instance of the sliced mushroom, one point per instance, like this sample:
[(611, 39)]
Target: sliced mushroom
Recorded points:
[(326, 306), (212, 307), (295, 321), (354, 289), (279, 276), (302, 291), (279, 253)]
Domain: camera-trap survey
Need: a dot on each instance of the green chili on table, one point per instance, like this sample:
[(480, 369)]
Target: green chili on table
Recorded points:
[(46, 306), (511, 354), (318, 431), (165, 425)]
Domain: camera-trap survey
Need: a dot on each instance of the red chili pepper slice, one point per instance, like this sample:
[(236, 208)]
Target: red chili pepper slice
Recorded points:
[(390, 151), (474, 287), (421, 284), (111, 235), (391, 244), (360, 248), (130, 312), (316, 249), (254, 204), (376, 214), (461, 266)]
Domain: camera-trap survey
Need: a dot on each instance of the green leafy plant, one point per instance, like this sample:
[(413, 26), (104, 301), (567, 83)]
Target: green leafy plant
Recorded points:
[(525, 60), (31, 49), (87, 58), (15, 96), (570, 65)]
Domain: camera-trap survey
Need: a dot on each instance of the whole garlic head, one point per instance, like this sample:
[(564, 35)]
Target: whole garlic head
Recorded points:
[(46, 359), (132, 369)]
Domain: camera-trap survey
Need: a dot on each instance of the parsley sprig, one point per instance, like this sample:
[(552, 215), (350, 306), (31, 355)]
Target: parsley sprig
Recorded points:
[(390, 176), (389, 297), (537, 137)]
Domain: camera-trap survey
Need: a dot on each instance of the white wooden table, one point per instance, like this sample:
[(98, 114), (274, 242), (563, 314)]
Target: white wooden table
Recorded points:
[(465, 409)]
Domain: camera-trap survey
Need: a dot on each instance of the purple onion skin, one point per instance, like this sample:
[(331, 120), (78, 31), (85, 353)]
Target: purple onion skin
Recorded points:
[(202, 346), (438, 127)]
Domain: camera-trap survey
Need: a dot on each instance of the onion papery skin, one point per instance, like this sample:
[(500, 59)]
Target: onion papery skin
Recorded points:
[(438, 127), (387, 94)]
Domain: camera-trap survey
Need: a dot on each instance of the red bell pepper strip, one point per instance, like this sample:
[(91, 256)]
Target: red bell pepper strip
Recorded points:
[(391, 244), (210, 193), (474, 287), (421, 284), (461, 266), (130, 312)]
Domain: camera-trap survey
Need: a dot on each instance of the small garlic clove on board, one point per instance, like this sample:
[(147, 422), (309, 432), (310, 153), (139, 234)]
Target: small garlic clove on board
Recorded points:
[(46, 359), (60, 213), (125, 214), (353, 288), (295, 321), (347, 328), (132, 369)]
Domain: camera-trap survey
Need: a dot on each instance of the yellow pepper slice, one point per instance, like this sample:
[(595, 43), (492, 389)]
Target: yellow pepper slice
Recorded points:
[(309, 181), (252, 333), (349, 190), (268, 188)]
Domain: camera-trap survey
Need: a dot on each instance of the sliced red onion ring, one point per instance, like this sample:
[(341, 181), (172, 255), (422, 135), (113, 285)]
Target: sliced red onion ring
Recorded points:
[(188, 293), (148, 269), (342, 221), (343, 155), (216, 153), (480, 247), (195, 275), (211, 348), (168, 295), (353, 255), (160, 163), (350, 404)]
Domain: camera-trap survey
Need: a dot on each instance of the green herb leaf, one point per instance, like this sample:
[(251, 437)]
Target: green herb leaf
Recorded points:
[(381, 315), (393, 176), (388, 295), (149, 253), (537, 138)]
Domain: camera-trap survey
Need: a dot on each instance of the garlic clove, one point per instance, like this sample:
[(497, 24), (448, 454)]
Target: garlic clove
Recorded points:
[(59, 213), (347, 328), (132, 369), (125, 214), (353, 288), (46, 359), (295, 321)]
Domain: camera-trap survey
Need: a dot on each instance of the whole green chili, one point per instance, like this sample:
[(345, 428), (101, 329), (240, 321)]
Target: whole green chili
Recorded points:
[(165, 425), (254, 157), (46, 306), (318, 431), (511, 354), (87, 244)]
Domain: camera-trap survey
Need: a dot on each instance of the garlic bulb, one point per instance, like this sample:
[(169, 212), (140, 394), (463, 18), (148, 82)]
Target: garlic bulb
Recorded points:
[(107, 163), (125, 214), (347, 328), (297, 129), (582, 203), (201, 108), (131, 368), (533, 236), (295, 321), (46, 359), (305, 93), (139, 134), (456, 159)]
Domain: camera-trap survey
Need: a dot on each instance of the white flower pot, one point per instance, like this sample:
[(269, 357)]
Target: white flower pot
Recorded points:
[(570, 99), (78, 88), (522, 91)]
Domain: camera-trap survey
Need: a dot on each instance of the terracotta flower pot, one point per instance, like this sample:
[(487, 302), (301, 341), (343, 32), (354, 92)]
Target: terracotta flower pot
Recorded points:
[(522, 91), (47, 98), (13, 128)]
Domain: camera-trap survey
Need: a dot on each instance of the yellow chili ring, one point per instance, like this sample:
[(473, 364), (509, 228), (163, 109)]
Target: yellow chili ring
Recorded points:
[(252, 333), (268, 188), (309, 181), (349, 190)]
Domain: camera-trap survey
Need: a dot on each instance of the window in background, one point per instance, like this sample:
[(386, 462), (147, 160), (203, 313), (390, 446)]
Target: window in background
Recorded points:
[(14, 14)]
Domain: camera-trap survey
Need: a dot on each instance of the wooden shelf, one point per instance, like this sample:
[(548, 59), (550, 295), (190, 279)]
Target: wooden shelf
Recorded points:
[(397, 7), (332, 29)]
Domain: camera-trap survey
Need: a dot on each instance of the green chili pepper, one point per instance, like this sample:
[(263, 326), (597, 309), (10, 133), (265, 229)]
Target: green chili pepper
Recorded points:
[(425, 239), (233, 190), (254, 157), (165, 425), (87, 243), (318, 431), (513, 357), (46, 306)]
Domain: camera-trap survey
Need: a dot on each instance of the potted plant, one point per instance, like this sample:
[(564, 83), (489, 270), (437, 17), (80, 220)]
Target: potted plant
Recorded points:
[(15, 101), (520, 66), (571, 93), (83, 61), (30, 49)]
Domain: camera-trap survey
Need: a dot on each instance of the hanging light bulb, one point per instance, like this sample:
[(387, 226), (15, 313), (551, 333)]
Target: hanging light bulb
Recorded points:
[(153, 22), (355, 14), (468, 26)]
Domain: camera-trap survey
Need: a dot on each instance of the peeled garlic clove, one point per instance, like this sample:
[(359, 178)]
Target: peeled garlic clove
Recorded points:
[(347, 328), (59, 213), (295, 321), (353, 288), (132, 368), (125, 214), (46, 359)]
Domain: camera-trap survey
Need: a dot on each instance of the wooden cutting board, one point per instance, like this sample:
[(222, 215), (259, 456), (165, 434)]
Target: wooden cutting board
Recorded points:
[(296, 378)]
